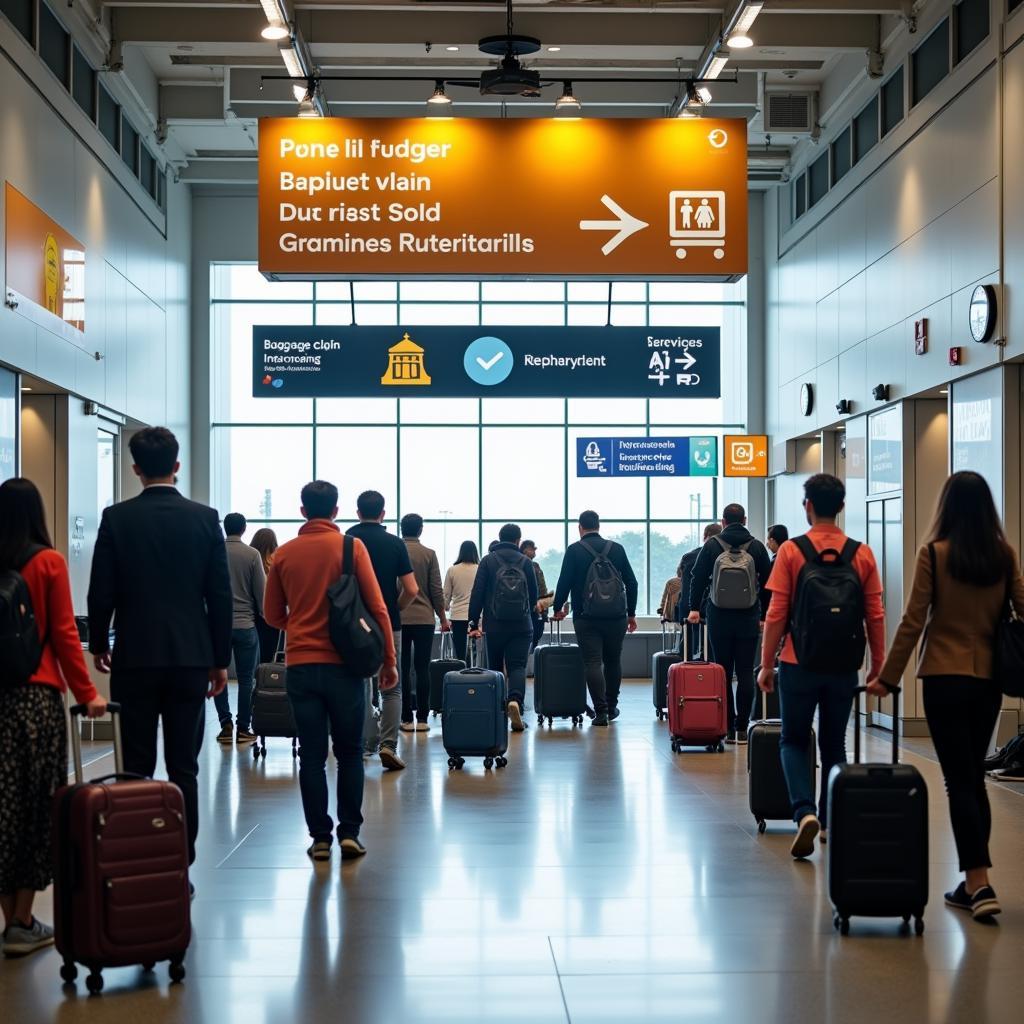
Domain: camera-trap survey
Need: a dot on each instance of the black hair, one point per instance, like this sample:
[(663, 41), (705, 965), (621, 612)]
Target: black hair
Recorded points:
[(826, 493), (524, 544), (370, 505), (590, 520), (155, 451), (234, 524), (779, 533), (966, 516), (468, 554), (509, 534), (319, 499), (412, 525), (22, 521), (733, 514)]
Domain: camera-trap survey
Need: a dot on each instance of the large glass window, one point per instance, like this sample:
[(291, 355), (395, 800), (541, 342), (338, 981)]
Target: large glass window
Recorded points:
[(929, 63), (20, 15), (971, 17), (467, 465), (892, 102), (865, 130), (54, 45)]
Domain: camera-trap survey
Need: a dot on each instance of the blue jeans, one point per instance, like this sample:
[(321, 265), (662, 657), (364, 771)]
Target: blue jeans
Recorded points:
[(245, 645), (800, 694), (329, 702)]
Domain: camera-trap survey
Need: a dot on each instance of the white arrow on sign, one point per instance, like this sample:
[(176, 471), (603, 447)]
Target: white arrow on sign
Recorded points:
[(624, 226), (688, 360)]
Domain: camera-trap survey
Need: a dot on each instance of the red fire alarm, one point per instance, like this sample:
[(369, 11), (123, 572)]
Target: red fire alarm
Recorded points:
[(954, 356), (920, 337)]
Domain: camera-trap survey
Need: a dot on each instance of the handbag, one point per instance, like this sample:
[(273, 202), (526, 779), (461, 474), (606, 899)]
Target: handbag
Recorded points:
[(1008, 655)]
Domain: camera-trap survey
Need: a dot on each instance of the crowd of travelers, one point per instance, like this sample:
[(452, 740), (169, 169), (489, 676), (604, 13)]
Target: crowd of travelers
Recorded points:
[(183, 598)]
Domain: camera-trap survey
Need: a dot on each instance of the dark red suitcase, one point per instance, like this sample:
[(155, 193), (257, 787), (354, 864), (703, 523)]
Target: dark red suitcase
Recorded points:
[(121, 894), (698, 708)]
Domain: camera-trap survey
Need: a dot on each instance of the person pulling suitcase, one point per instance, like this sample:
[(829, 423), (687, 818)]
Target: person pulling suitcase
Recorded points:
[(826, 599)]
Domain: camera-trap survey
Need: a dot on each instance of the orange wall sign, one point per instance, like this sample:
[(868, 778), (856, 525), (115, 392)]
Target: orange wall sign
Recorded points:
[(562, 198), (745, 455), (45, 264)]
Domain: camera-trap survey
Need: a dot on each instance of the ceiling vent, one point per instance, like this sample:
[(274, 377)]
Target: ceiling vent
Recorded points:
[(790, 113)]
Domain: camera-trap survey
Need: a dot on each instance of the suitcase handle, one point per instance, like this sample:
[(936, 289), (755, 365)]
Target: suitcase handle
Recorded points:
[(447, 645), (118, 777), (76, 738), (896, 691), (686, 641), (669, 646)]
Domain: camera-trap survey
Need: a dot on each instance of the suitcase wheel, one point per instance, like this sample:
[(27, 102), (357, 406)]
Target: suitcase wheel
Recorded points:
[(177, 970), (147, 967), (675, 747), (68, 971), (295, 747), (456, 762), (659, 714), (488, 762), (540, 720), (94, 982), (501, 761), (842, 924), (762, 826), (918, 923)]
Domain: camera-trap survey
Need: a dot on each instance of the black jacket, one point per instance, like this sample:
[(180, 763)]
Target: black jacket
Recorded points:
[(483, 588), (703, 571), (576, 565), (160, 571), (689, 560)]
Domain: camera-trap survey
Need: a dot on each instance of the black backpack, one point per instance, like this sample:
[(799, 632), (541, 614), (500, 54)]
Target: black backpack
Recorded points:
[(355, 633), (827, 618), (604, 592), (21, 646), (510, 599)]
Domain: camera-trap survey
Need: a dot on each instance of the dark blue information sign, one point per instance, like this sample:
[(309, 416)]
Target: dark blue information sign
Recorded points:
[(494, 362), (646, 456)]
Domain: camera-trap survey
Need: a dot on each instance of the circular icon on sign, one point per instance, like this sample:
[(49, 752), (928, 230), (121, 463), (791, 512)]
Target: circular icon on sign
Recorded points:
[(718, 138), (488, 361)]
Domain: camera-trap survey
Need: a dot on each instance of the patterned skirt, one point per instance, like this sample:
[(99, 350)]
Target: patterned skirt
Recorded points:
[(33, 763)]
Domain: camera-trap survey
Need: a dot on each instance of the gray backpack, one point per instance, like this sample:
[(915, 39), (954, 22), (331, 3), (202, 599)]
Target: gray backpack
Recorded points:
[(734, 580)]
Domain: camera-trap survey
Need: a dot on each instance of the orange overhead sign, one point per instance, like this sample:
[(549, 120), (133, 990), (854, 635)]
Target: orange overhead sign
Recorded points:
[(562, 198), (45, 264), (745, 455)]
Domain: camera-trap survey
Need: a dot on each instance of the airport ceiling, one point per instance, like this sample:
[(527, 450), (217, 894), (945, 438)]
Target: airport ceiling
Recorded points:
[(209, 62)]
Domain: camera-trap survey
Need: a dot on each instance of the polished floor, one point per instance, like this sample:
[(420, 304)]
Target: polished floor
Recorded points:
[(597, 878)]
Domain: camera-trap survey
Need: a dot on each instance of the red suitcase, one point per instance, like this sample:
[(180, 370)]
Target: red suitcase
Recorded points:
[(121, 893), (698, 708)]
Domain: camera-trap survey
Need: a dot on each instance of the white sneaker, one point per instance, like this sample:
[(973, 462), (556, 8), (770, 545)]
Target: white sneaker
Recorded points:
[(20, 941), (803, 845)]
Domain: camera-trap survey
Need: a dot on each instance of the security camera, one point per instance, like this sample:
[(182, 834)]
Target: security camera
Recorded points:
[(880, 392), (844, 406)]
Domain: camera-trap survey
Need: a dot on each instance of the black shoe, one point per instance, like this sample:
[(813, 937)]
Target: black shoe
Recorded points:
[(730, 736), (227, 732), (320, 850), (1011, 773), (351, 848), (601, 719), (613, 713), (984, 904), (741, 737)]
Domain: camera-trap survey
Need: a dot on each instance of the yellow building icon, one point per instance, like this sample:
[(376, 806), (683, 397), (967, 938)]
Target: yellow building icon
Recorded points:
[(405, 364)]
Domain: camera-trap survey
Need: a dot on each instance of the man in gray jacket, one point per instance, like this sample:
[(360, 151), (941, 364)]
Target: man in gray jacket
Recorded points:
[(248, 582), (418, 625)]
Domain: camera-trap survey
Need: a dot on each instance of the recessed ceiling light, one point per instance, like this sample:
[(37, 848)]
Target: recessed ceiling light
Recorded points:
[(25, 388), (554, 49), (185, 48), (275, 31), (452, 49)]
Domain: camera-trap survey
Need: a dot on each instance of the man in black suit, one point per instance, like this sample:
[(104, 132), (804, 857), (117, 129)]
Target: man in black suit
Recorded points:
[(689, 560), (161, 572)]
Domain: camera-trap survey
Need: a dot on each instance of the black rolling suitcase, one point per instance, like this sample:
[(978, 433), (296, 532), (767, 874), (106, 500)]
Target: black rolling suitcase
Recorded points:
[(439, 668), (271, 709), (766, 781), (559, 680), (660, 664), (878, 838), (474, 719)]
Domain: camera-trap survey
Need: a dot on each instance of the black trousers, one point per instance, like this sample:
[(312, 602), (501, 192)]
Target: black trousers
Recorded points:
[(508, 652), (417, 648), (173, 698), (735, 652), (962, 713), (460, 630), (600, 643)]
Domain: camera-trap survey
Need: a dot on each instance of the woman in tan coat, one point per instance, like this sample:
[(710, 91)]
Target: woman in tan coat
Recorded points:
[(963, 579)]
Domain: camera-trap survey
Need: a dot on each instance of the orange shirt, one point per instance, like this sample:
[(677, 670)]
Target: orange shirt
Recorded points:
[(782, 584), (296, 595), (63, 661)]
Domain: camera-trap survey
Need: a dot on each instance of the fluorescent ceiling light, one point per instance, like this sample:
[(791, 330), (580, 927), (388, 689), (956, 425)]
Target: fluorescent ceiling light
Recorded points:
[(748, 17), (25, 388), (704, 94), (277, 19), (554, 49), (567, 101), (275, 31), (439, 97), (452, 49), (717, 66), (292, 63)]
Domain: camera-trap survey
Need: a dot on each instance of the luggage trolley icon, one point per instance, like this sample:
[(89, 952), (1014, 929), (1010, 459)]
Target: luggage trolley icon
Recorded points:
[(696, 219)]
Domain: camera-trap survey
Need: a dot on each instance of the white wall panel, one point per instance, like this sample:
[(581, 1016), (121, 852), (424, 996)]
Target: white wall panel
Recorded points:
[(828, 328), (974, 236), (852, 312), (827, 257), (851, 378), (931, 369), (852, 236), (1013, 211), (885, 362)]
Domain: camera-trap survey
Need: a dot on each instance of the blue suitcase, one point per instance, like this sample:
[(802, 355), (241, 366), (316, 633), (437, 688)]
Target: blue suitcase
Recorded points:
[(474, 718)]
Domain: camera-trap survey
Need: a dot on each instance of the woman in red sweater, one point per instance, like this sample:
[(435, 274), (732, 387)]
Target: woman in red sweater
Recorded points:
[(33, 730)]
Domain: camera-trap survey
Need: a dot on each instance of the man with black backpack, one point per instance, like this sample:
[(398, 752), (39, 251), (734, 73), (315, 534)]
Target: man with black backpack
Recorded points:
[(505, 594), (602, 584), (826, 594), (733, 568)]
